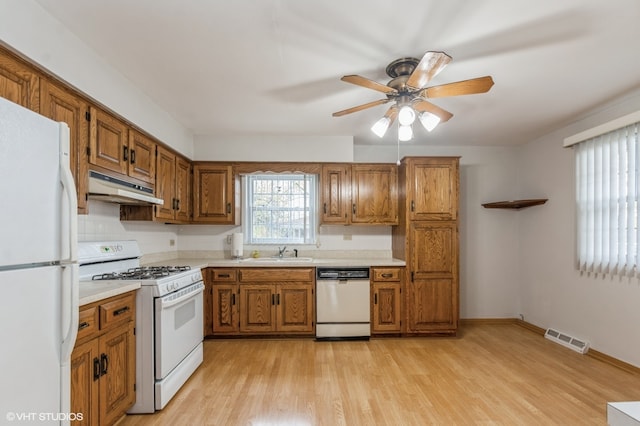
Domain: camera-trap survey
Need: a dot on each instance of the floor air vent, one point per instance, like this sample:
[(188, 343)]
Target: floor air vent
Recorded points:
[(566, 340)]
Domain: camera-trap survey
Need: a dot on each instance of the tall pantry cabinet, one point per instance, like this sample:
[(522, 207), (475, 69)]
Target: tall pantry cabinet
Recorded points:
[(426, 238)]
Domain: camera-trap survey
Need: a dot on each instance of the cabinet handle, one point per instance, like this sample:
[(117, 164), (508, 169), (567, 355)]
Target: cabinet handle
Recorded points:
[(413, 205), (125, 153), (277, 299), (375, 298), (120, 311), (104, 364), (233, 298), (96, 369), (411, 276), (133, 156), (228, 208), (387, 275), (224, 276), (273, 299), (177, 203), (83, 325), (353, 208), (325, 208)]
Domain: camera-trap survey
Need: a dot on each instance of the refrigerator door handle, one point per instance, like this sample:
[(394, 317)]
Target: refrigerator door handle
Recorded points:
[(70, 306), (69, 225)]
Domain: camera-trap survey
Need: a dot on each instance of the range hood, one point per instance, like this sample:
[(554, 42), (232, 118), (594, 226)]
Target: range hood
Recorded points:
[(106, 188)]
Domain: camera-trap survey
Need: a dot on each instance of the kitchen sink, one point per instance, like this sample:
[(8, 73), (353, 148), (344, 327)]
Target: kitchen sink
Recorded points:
[(278, 259)]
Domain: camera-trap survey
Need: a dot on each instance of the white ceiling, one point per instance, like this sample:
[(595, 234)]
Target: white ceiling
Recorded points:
[(273, 67)]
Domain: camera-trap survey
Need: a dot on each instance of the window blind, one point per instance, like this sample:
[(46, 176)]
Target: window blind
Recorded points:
[(607, 202)]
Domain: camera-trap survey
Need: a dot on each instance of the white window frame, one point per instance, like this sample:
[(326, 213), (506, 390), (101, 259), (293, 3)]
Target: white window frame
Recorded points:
[(274, 216)]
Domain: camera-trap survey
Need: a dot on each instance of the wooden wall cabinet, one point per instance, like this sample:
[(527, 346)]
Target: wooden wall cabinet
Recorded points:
[(59, 104), (427, 239), (173, 185), (365, 194), (19, 83), (103, 361), (386, 303), (276, 300), (214, 194), (114, 147)]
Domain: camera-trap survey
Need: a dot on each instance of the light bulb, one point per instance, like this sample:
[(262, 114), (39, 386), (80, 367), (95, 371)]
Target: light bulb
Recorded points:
[(429, 120), (380, 127), (406, 116), (405, 133)]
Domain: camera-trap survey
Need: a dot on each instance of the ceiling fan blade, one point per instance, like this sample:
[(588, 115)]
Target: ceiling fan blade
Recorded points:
[(369, 84), (391, 114), (465, 87), (422, 106), (360, 107), (430, 65)]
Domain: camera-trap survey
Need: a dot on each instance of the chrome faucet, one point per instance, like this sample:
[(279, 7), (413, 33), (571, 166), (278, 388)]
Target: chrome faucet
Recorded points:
[(281, 251)]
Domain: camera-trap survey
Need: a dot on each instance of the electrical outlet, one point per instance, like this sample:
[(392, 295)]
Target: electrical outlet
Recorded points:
[(347, 237), (172, 243)]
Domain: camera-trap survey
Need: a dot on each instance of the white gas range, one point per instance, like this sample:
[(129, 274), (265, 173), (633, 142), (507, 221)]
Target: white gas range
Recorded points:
[(168, 317)]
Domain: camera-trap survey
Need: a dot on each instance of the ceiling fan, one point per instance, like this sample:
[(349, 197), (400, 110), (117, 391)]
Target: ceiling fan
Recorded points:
[(409, 76)]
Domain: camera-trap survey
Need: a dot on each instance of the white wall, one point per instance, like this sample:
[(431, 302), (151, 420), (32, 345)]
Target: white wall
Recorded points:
[(602, 310), (30, 31), (274, 148)]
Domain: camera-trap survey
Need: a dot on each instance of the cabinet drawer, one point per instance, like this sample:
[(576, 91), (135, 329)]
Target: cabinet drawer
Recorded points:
[(117, 311), (87, 322), (386, 274), (223, 274), (276, 274)]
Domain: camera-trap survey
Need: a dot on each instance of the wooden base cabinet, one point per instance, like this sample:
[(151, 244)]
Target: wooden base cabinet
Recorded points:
[(224, 301), (276, 300), (386, 302), (103, 361)]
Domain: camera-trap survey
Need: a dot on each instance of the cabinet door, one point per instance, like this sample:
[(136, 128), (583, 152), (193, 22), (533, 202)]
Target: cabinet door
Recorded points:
[(386, 308), (294, 304), (374, 194), (257, 308), (142, 157), (335, 205), (61, 105), (432, 295), (225, 308), (434, 248), (85, 375), (213, 188), (433, 189), (108, 142), (19, 83), (165, 183), (118, 363), (183, 190), (433, 305)]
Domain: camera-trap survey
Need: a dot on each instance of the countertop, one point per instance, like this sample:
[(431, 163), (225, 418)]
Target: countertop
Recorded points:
[(274, 262), (92, 291)]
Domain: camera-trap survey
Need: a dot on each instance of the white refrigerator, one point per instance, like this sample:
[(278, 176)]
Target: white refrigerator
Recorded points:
[(38, 268)]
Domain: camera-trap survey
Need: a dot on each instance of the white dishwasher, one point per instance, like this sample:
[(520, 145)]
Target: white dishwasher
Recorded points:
[(343, 304)]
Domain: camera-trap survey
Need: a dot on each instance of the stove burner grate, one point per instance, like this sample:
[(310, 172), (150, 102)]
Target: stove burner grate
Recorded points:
[(142, 273)]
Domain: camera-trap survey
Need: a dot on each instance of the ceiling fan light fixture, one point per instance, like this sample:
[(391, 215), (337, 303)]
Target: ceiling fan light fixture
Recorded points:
[(380, 127), (406, 116), (429, 120), (405, 133)]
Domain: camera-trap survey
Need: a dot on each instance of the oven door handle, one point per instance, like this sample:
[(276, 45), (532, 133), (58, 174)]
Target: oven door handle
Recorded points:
[(172, 302)]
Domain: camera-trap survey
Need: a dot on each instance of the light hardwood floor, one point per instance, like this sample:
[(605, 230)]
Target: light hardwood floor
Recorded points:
[(489, 375)]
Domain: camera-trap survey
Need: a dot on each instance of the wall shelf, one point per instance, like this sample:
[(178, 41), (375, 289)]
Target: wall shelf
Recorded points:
[(515, 204)]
